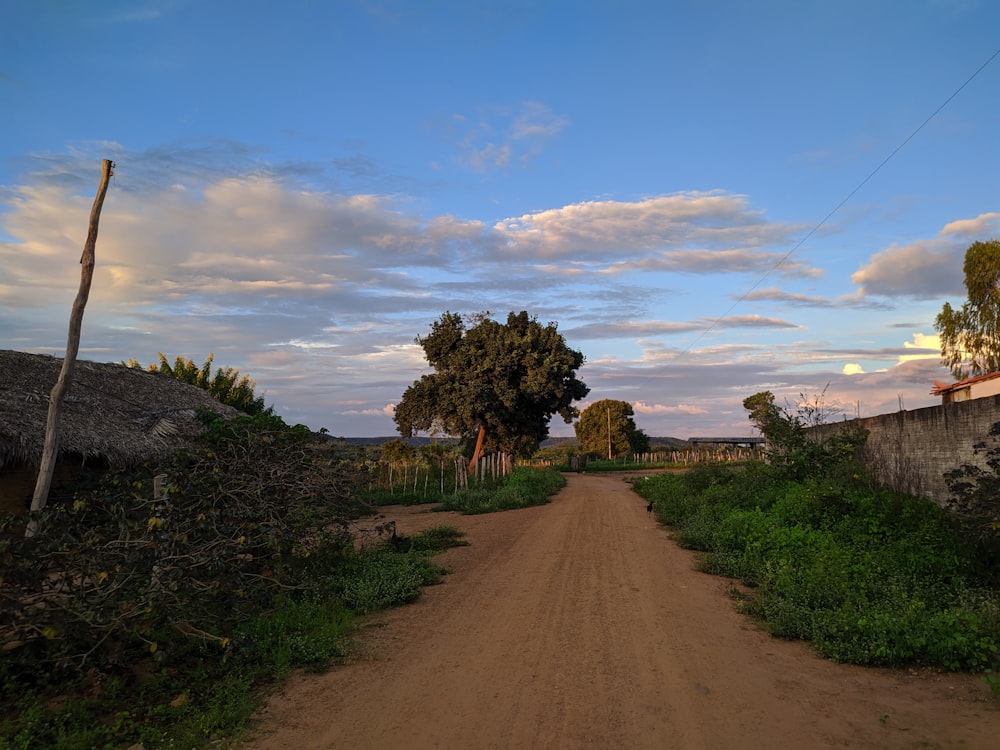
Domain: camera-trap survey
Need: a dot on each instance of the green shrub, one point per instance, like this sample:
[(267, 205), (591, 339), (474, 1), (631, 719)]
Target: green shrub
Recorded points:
[(381, 579), (697, 530), (871, 578)]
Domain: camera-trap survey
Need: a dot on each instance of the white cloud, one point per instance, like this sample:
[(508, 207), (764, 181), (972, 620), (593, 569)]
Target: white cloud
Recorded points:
[(983, 226), (644, 408), (318, 295), (852, 368), (926, 269), (690, 232), (500, 138), (386, 411)]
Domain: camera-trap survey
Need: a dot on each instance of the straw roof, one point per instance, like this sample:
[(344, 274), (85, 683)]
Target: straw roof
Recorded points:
[(111, 412)]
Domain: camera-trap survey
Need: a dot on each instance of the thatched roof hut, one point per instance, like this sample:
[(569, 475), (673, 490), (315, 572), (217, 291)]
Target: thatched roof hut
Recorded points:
[(111, 414)]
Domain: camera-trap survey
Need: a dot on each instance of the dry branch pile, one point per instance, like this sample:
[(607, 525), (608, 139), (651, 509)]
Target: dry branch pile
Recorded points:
[(255, 510)]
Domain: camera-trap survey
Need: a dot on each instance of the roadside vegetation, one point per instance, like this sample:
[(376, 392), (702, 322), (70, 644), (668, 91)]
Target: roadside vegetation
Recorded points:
[(633, 463), (524, 487), (158, 616), (572, 458), (437, 476), (867, 576)]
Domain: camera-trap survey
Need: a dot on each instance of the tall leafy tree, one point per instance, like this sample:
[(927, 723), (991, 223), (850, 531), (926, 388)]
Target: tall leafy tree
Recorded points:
[(498, 382), (606, 427), (970, 336), (225, 384)]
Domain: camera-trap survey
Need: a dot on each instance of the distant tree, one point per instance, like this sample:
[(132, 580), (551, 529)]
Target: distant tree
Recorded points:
[(970, 336), (397, 450), (788, 444), (225, 385), (614, 418), (767, 416), (499, 383)]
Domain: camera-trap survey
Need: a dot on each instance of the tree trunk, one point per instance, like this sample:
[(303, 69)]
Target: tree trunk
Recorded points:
[(62, 385), (478, 452)]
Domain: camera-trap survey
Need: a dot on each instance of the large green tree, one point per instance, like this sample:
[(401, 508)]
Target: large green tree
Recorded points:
[(970, 336), (500, 383), (609, 417)]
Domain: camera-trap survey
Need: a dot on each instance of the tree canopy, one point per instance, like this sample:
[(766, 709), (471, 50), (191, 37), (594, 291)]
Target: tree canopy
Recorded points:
[(503, 382), (226, 385), (970, 336), (605, 417)]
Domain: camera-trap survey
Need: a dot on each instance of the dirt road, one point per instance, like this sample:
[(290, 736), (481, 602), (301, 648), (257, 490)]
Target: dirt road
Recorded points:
[(579, 624)]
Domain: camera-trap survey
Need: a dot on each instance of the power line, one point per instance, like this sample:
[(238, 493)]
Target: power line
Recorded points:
[(840, 205)]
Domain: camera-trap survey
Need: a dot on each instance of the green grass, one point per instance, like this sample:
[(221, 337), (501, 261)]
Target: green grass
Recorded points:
[(867, 577), (526, 486)]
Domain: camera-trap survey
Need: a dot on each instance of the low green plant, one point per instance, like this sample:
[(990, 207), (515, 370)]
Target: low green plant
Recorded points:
[(868, 577), (992, 679), (524, 487), (976, 491), (382, 578), (437, 539)]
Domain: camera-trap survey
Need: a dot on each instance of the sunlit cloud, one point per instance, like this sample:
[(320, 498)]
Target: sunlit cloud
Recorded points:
[(318, 293), (983, 226), (644, 408), (926, 269), (923, 346), (690, 232), (386, 411)]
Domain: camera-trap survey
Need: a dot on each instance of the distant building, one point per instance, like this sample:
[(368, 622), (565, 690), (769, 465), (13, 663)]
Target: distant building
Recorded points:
[(739, 441), (970, 388)]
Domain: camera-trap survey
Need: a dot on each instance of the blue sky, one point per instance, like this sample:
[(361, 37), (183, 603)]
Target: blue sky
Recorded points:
[(303, 187)]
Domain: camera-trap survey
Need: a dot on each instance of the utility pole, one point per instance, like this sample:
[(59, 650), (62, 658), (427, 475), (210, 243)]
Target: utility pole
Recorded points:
[(609, 433), (87, 261)]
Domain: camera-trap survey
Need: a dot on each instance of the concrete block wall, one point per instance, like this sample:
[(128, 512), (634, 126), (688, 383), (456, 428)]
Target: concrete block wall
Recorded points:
[(911, 450)]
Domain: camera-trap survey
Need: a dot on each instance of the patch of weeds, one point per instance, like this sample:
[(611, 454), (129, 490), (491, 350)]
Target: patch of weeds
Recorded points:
[(437, 539), (381, 578), (309, 633), (992, 679)]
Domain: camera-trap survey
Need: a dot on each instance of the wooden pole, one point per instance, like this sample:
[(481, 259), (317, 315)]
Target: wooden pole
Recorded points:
[(87, 260), (609, 433)]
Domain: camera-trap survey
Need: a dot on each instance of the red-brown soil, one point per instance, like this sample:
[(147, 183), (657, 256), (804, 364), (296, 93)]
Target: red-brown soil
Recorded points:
[(580, 624)]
